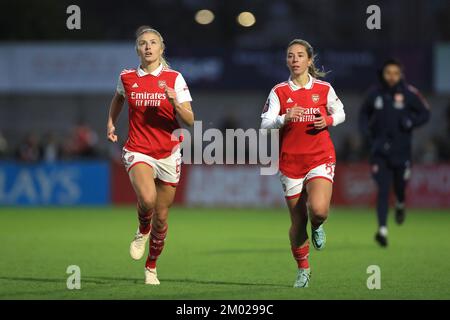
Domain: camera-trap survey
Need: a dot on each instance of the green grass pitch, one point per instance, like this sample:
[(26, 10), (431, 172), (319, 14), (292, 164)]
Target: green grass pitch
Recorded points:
[(219, 254)]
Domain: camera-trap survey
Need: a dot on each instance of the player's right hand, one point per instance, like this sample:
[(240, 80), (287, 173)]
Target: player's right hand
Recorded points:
[(294, 113), (110, 133)]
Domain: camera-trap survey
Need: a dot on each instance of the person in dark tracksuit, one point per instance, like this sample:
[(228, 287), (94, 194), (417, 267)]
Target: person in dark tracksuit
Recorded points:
[(387, 118)]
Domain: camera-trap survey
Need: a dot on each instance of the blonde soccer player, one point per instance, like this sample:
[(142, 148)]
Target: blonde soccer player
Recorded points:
[(158, 100)]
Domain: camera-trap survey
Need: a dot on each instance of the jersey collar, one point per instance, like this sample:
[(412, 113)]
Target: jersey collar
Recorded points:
[(296, 87), (141, 72)]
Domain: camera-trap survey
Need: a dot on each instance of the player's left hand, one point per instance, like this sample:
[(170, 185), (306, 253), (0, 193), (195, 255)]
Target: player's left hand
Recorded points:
[(320, 123), (171, 95)]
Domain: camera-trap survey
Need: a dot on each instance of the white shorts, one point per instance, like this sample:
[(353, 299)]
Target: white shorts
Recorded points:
[(293, 187), (166, 170)]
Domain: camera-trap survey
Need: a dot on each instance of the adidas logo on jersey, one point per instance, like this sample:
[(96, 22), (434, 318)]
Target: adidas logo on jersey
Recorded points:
[(135, 85), (289, 100)]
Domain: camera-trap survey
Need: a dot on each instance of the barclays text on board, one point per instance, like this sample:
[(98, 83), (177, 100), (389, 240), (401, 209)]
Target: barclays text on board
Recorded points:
[(64, 183)]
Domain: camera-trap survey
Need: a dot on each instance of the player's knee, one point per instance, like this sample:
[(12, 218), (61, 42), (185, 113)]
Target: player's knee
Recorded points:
[(147, 202), (159, 223), (383, 193), (319, 211)]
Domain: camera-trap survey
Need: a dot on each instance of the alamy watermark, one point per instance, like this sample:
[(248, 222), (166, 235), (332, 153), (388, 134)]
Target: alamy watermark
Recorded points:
[(373, 22), (230, 146), (74, 279), (374, 280), (73, 21)]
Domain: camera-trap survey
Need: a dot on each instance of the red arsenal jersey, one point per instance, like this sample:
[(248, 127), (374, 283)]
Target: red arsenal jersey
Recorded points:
[(302, 147), (151, 117)]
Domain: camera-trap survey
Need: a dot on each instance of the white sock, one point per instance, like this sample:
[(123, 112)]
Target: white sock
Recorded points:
[(400, 205), (383, 231)]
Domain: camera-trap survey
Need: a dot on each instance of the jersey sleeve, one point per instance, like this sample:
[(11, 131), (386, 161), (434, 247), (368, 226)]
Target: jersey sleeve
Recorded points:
[(420, 110), (365, 114), (120, 89), (335, 107), (182, 90), (271, 118)]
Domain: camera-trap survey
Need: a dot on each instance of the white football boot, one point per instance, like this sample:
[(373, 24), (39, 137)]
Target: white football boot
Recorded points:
[(151, 277), (138, 245), (303, 276)]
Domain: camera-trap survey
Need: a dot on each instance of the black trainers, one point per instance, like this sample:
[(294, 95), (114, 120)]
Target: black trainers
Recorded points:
[(382, 240), (399, 215)]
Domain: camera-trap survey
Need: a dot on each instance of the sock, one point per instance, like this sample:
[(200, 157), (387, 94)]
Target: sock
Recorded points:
[(156, 247), (145, 219), (383, 231), (301, 255)]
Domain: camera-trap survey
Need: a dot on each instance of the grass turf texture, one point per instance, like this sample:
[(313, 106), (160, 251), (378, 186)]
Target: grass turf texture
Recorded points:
[(219, 254)]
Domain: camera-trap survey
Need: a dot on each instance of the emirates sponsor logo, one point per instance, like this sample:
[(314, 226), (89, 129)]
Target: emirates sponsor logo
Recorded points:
[(147, 99), (308, 115)]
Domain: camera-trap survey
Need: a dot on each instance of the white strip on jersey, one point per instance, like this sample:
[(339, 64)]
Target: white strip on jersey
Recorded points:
[(270, 116), (335, 107)]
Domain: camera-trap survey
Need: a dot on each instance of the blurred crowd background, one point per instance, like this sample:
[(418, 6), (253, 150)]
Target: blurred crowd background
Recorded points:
[(56, 84)]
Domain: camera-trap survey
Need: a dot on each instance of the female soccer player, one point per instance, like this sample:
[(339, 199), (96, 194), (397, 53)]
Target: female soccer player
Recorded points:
[(157, 98), (303, 108)]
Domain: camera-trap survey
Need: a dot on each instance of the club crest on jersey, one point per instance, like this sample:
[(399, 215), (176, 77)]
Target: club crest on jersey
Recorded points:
[(315, 97), (161, 83), (130, 158), (399, 101)]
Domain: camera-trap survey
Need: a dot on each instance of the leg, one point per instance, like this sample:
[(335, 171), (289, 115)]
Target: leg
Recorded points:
[(401, 176), (141, 177), (319, 197), (165, 196), (400, 181), (299, 219), (382, 176), (299, 239)]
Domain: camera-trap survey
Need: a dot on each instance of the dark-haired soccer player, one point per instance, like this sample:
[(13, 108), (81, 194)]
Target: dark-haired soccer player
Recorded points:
[(389, 114), (303, 108)]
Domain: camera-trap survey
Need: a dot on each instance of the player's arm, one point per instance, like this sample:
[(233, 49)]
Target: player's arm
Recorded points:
[(180, 98), (420, 111), (185, 113), (271, 118), (336, 114), (114, 111)]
